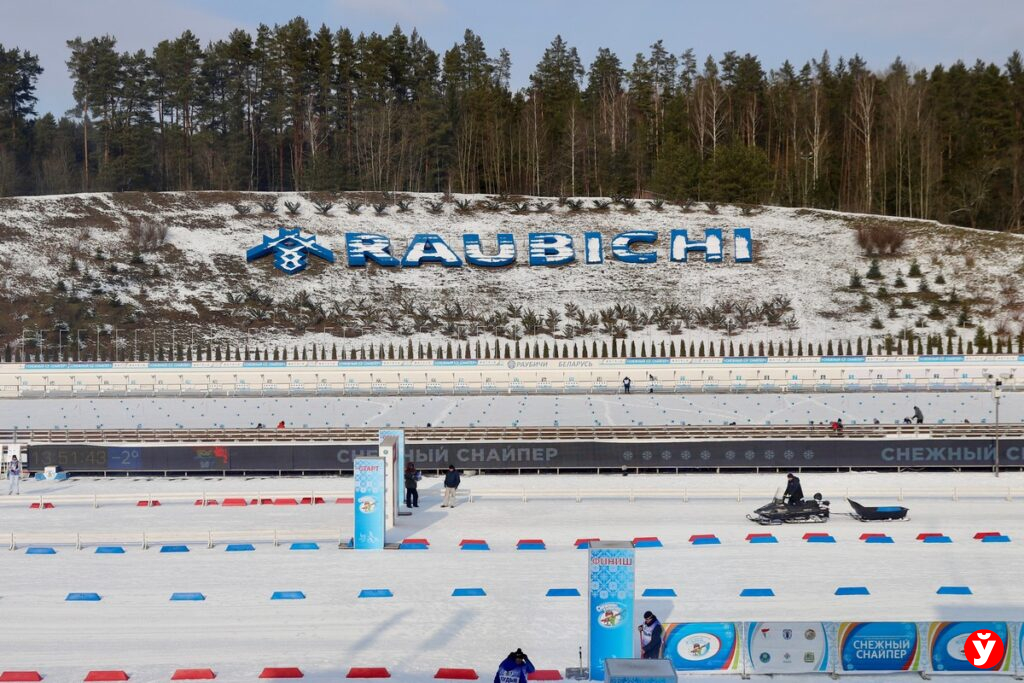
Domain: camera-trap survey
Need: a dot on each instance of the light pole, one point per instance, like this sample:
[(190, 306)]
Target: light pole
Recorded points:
[(997, 395)]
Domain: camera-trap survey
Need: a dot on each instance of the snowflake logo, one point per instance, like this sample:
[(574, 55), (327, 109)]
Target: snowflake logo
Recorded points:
[(789, 455), (666, 455), (769, 455), (290, 249), (808, 455), (749, 455), (647, 455), (730, 455), (628, 455), (685, 455), (705, 455)]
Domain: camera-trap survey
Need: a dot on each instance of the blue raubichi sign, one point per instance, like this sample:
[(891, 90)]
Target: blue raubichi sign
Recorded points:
[(291, 249)]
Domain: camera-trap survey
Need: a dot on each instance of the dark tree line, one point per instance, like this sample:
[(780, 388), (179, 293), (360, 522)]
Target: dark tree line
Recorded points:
[(291, 108)]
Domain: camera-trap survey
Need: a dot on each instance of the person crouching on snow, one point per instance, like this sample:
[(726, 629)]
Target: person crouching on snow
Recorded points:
[(515, 668)]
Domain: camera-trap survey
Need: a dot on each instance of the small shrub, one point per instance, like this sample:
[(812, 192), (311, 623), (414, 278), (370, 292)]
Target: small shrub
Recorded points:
[(491, 205), (939, 279), (686, 205), (463, 205), (905, 302), (292, 208), (876, 324), (243, 209), (915, 269), (520, 207), (900, 283), (404, 205), (935, 313), (353, 207), (874, 272), (883, 293), (601, 204), (435, 207), (657, 204), (712, 208), (865, 304), (543, 207), (268, 205), (892, 313), (964, 319), (575, 205), (562, 200), (323, 208), (855, 281), (628, 204), (923, 286), (381, 209)]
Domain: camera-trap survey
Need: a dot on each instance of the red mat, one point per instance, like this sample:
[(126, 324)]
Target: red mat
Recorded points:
[(545, 675), (193, 675), (343, 500), (281, 672), (457, 674), (20, 676), (147, 503), (368, 672), (106, 676), (234, 502)]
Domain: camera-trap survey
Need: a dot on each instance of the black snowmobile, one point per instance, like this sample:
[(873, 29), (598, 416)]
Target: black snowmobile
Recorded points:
[(877, 514), (779, 512)]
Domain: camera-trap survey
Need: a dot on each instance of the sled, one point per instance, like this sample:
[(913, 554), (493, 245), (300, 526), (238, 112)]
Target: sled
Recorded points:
[(888, 513)]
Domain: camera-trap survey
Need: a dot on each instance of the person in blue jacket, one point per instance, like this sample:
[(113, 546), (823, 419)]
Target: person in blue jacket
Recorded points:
[(451, 483), (514, 668)]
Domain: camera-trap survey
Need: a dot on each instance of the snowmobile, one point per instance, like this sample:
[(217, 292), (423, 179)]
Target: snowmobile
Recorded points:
[(876, 514), (779, 512)]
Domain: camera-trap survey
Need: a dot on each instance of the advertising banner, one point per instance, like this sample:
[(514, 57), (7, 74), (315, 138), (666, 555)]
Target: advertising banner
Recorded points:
[(611, 572), (779, 647), (873, 647), (369, 503), (703, 647), (398, 490), (947, 643)]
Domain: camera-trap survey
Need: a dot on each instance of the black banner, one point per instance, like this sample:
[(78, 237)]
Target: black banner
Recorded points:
[(827, 453)]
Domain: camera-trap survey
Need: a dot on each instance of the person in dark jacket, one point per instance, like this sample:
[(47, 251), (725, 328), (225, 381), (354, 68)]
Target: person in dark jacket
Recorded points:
[(650, 636), (626, 383), (412, 496), (451, 483), (918, 415), (514, 669), (794, 494)]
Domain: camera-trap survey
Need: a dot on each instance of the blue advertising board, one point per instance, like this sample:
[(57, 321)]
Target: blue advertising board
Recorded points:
[(399, 486), (708, 647), (611, 570), (947, 641), (368, 506), (879, 646), (787, 647)]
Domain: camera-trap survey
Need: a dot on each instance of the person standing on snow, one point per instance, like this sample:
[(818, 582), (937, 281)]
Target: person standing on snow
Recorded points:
[(14, 476), (650, 636), (514, 669), (451, 483), (412, 496), (626, 382), (918, 415)]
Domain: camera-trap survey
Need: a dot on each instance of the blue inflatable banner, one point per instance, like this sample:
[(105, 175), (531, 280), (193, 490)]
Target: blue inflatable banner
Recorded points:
[(708, 647), (879, 646), (947, 643), (787, 647), (368, 504), (611, 579)]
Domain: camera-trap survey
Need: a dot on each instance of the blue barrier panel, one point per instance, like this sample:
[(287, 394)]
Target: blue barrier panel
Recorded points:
[(879, 539), (821, 539), (239, 547), (41, 551), (706, 541), (563, 593), (937, 539), (852, 590), (109, 550), (376, 593), (413, 546), (996, 539), (174, 549), (530, 546), (468, 592), (475, 546), (648, 544), (764, 539), (82, 597), (659, 593), (304, 546), (187, 597), (954, 590), (288, 595), (757, 593)]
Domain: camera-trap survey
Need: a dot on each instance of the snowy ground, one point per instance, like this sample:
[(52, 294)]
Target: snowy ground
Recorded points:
[(463, 411), (238, 630)]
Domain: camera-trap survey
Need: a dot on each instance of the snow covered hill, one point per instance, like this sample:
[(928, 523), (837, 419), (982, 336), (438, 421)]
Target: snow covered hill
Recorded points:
[(75, 266)]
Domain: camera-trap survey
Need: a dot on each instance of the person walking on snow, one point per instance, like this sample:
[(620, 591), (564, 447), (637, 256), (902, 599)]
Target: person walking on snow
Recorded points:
[(515, 668), (14, 476), (412, 496), (650, 636), (451, 483)]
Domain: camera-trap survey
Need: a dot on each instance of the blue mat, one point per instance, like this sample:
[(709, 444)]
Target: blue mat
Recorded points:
[(187, 596), (648, 544), (109, 550), (757, 593), (937, 539), (288, 595), (954, 590), (239, 547), (83, 597), (468, 592), (304, 546), (563, 593), (879, 539), (475, 546), (996, 539), (413, 546), (764, 539), (531, 546), (174, 549), (659, 593), (706, 541), (821, 539), (852, 590), (41, 551), (376, 593)]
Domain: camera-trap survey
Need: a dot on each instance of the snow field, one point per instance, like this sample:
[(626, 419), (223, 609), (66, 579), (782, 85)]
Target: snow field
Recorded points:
[(238, 630)]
